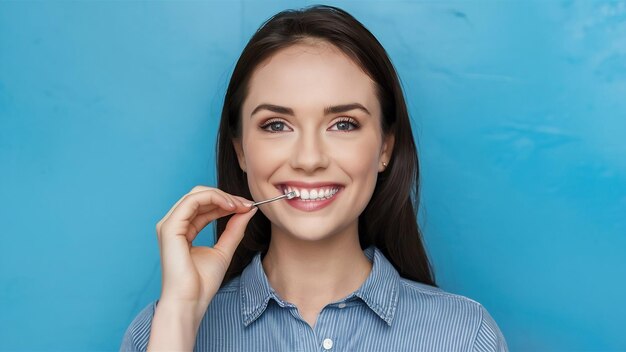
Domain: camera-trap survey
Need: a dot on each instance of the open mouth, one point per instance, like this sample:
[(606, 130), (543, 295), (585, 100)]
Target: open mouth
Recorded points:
[(309, 198), (312, 194)]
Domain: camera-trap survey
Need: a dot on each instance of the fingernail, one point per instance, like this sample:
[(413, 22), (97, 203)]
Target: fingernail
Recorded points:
[(247, 204), (231, 204)]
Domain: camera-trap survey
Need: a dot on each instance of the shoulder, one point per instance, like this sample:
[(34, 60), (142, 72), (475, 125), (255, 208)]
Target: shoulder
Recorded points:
[(453, 312), (435, 294), (436, 303), (138, 332)]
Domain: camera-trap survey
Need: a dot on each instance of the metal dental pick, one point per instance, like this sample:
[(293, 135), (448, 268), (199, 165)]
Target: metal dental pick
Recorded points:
[(289, 195)]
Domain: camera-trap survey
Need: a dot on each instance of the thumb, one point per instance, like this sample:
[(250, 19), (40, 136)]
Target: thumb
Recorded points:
[(233, 233)]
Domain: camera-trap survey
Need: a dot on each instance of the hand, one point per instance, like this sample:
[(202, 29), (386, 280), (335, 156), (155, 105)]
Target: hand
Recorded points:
[(192, 275)]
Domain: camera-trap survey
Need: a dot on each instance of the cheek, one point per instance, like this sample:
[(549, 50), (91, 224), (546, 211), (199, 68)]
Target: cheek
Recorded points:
[(262, 156), (262, 160), (360, 163), (359, 159)]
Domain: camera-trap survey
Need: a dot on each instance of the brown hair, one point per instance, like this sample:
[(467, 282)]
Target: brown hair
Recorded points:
[(389, 221)]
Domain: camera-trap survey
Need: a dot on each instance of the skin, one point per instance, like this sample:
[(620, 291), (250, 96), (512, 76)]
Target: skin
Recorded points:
[(314, 258)]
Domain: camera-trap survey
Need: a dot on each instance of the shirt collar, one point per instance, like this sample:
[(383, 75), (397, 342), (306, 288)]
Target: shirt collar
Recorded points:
[(379, 291)]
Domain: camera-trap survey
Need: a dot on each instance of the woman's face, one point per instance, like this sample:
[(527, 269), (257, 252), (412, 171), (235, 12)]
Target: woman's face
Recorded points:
[(292, 139)]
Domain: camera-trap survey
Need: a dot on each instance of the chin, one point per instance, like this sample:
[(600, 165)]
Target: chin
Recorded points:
[(309, 231)]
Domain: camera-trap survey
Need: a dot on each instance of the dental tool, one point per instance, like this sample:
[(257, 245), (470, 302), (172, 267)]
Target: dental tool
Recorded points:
[(289, 195)]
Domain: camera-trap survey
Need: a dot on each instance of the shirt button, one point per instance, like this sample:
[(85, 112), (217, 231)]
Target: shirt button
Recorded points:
[(328, 344), (341, 305)]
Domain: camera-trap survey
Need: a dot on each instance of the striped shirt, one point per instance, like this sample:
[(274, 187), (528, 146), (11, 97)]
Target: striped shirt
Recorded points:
[(387, 313)]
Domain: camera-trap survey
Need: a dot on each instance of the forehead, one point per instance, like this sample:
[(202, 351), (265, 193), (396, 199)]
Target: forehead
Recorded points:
[(304, 76)]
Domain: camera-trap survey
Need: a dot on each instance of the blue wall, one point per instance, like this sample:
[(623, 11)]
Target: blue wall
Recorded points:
[(108, 114)]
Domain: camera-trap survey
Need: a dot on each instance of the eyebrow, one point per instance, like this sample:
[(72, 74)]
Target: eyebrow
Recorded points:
[(327, 110)]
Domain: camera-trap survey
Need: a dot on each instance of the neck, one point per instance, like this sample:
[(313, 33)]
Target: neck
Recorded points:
[(315, 273)]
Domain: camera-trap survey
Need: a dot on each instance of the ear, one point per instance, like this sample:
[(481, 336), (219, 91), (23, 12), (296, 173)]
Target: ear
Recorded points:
[(386, 151), (239, 150)]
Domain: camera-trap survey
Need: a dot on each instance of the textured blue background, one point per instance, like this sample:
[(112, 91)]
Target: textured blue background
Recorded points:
[(108, 115)]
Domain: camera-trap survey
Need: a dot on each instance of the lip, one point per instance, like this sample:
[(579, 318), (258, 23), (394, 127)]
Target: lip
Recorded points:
[(309, 205)]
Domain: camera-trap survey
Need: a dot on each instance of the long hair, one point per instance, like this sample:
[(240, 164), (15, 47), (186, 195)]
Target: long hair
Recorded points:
[(389, 221)]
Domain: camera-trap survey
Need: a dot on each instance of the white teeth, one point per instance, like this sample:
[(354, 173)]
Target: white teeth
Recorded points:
[(312, 194)]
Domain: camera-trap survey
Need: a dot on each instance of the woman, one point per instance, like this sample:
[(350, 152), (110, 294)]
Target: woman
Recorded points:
[(314, 106)]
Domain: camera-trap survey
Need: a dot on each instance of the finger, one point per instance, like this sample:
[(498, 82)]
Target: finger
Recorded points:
[(241, 205), (196, 189), (235, 199), (188, 208), (202, 220), (245, 201), (233, 233)]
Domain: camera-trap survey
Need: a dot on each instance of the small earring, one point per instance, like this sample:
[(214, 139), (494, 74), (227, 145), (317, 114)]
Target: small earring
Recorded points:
[(384, 164)]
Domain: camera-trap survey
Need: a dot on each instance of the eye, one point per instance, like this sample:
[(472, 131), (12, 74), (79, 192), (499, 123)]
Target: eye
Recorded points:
[(346, 124), (274, 126)]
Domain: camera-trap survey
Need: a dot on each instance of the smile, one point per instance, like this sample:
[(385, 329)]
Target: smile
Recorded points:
[(312, 194), (311, 197)]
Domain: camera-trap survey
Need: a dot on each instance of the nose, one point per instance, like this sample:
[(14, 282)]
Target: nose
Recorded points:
[(309, 153)]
